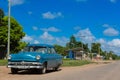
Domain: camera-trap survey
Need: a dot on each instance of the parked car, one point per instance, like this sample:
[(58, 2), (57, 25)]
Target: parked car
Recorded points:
[(39, 57)]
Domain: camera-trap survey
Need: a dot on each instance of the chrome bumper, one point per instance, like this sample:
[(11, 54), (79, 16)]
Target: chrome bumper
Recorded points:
[(24, 65)]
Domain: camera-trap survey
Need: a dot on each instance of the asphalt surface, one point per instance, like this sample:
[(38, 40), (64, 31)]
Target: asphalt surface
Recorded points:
[(109, 71)]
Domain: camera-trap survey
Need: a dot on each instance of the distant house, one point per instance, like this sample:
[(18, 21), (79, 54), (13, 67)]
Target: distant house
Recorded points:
[(76, 53), (97, 56)]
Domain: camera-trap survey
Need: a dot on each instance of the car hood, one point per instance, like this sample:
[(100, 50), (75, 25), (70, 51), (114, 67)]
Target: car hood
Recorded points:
[(25, 56)]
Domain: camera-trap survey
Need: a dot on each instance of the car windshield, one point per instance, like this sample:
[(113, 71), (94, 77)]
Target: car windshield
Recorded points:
[(35, 49)]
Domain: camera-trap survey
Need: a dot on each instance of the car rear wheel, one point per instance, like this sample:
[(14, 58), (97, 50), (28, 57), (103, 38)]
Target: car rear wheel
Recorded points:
[(57, 68), (14, 71)]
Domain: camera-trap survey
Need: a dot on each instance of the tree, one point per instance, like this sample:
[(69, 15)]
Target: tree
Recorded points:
[(1, 16), (60, 49), (79, 44), (112, 55), (85, 47), (72, 39), (96, 48), (105, 55), (72, 43), (1, 13), (16, 32), (115, 57)]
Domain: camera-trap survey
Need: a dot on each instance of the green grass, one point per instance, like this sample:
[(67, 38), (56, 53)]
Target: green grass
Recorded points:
[(3, 62), (66, 62), (75, 62)]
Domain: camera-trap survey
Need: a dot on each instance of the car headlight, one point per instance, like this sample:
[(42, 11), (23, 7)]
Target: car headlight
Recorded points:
[(38, 57), (9, 57)]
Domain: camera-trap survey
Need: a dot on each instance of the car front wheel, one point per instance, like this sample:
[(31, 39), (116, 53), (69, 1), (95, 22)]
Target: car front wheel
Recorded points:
[(14, 71), (44, 69)]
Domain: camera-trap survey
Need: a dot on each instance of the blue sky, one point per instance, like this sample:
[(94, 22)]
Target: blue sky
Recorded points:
[(54, 21)]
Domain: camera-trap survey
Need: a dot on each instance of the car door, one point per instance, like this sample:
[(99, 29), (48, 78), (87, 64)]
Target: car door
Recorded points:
[(52, 58), (57, 58)]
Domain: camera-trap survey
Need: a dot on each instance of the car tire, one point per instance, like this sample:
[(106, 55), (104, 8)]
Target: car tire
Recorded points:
[(57, 68), (44, 69), (14, 71)]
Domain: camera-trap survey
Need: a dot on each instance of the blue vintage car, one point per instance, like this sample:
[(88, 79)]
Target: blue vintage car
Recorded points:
[(39, 57)]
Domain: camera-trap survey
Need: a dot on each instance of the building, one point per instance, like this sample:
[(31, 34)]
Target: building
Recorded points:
[(76, 53)]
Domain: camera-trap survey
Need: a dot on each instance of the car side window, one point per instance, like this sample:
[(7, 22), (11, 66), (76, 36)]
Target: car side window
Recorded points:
[(51, 50), (41, 49), (31, 49)]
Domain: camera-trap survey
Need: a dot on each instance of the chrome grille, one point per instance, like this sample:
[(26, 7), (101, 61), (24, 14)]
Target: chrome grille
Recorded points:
[(24, 63)]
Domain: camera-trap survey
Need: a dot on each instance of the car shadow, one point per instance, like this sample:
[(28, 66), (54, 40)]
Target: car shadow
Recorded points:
[(33, 72)]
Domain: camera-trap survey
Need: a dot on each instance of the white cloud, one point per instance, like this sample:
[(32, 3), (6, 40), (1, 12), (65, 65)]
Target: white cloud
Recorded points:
[(36, 42), (61, 40), (111, 32), (114, 43), (77, 28), (16, 2), (116, 50), (27, 38), (88, 36), (113, 1), (51, 29), (101, 40), (46, 36), (106, 25), (35, 28), (50, 15), (50, 39), (103, 43), (30, 12)]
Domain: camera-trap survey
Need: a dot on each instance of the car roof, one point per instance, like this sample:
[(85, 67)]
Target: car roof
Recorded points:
[(43, 45)]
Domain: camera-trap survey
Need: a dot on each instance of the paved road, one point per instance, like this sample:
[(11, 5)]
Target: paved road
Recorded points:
[(109, 71)]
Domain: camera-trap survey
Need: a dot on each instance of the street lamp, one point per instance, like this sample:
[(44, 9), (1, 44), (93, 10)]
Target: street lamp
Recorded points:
[(8, 46)]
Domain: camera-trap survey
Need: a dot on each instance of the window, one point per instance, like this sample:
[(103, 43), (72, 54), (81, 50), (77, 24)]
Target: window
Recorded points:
[(31, 49), (51, 50), (39, 49)]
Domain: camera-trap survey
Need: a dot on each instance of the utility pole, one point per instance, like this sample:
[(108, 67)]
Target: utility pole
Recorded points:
[(8, 46), (91, 48)]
